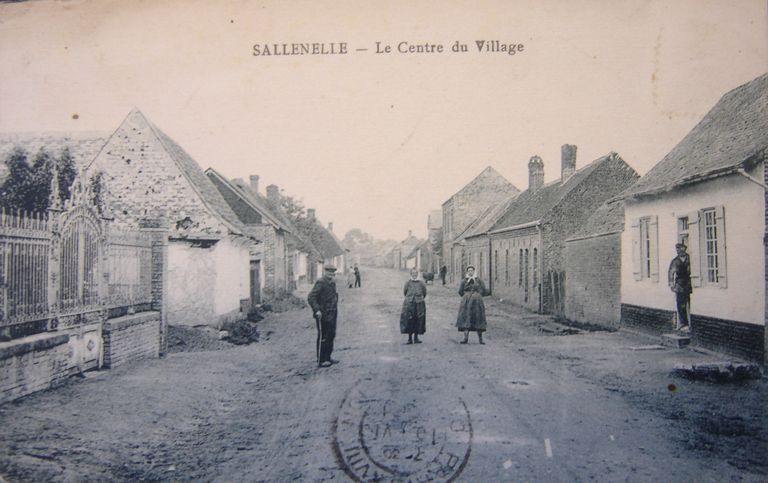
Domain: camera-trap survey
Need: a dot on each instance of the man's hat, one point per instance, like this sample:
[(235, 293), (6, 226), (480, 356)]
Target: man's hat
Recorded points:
[(680, 245), (330, 268)]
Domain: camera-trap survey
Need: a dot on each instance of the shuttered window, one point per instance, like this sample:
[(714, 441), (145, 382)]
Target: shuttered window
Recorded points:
[(711, 248), (645, 255)]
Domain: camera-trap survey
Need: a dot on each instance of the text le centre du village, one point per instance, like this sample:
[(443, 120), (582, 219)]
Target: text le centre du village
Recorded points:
[(387, 48)]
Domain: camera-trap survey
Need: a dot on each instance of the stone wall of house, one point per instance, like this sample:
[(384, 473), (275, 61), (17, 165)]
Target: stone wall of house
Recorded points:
[(467, 205), (593, 285), (141, 178), (130, 338), (477, 249), (512, 281), (33, 363), (607, 180)]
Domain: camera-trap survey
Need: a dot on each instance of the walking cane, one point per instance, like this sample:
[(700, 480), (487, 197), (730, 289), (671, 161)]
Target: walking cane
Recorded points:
[(319, 332)]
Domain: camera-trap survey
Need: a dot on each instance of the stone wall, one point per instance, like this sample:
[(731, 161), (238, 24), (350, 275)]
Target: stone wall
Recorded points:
[(592, 288), (33, 363), (130, 338)]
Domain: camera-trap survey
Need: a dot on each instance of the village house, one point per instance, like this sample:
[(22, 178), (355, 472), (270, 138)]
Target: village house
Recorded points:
[(707, 193), (527, 253), (593, 265), (474, 244), (329, 250), (273, 262), (487, 189), (151, 179), (403, 250)]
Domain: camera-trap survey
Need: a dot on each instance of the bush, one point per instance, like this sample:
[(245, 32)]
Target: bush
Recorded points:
[(281, 300)]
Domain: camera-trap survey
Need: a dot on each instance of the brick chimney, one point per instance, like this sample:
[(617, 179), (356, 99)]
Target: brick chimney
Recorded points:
[(273, 193), (255, 183), (330, 226), (535, 174), (311, 213), (567, 161)]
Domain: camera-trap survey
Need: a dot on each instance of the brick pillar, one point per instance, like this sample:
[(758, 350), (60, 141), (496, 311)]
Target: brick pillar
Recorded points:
[(158, 230)]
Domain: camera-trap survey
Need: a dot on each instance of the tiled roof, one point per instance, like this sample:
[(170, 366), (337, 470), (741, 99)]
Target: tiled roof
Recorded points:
[(529, 207), (729, 135), (199, 181), (486, 176), (323, 241), (609, 218), (488, 219), (252, 199)]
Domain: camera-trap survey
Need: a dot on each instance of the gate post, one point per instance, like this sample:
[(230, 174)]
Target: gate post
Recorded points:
[(158, 231)]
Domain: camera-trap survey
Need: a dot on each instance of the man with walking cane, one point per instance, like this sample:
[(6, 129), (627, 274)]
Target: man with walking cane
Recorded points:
[(324, 302)]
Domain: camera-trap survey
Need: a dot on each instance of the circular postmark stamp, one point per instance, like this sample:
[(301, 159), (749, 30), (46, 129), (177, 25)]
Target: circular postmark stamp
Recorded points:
[(386, 436)]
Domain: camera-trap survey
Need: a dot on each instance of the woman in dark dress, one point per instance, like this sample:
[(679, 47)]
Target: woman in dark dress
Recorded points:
[(472, 308), (414, 314)]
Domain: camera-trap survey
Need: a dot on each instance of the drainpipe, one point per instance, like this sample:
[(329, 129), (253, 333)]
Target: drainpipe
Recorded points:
[(752, 179)]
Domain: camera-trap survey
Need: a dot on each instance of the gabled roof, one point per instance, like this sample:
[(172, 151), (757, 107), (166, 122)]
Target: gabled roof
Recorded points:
[(198, 181), (609, 218), (729, 137), (531, 207), (322, 239), (486, 176), (253, 200), (421, 246), (485, 222)]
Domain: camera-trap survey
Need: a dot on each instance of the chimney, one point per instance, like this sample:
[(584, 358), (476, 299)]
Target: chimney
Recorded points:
[(311, 213), (567, 161), (330, 226), (273, 193), (535, 174), (255, 183)]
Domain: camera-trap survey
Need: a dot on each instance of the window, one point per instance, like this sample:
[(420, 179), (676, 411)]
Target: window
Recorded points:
[(480, 267), (712, 248), (496, 265), (506, 265), (645, 255), (525, 275), (682, 230), (535, 264), (520, 269)]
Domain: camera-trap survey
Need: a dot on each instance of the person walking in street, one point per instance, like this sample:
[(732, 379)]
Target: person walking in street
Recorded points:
[(413, 317), (443, 272), (472, 309), (350, 277), (680, 283), (324, 302), (357, 276)]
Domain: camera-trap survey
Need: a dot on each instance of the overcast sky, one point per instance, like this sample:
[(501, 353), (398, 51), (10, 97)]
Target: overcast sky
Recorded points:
[(370, 140)]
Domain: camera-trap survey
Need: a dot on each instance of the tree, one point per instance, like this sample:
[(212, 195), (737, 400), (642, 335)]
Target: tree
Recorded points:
[(28, 185)]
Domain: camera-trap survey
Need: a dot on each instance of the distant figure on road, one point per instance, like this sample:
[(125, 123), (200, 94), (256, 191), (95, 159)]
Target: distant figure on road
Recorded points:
[(680, 282), (357, 276), (324, 302), (413, 317), (350, 277), (443, 272), (472, 308)]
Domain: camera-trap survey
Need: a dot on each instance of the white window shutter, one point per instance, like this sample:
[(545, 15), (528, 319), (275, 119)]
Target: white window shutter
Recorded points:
[(694, 247), (653, 250), (721, 246), (636, 263)]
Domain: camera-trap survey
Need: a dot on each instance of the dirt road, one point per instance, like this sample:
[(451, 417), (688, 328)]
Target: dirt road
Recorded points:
[(523, 407)]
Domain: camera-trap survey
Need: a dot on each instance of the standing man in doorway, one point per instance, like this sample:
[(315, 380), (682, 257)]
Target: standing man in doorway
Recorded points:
[(443, 272), (680, 283), (324, 302)]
